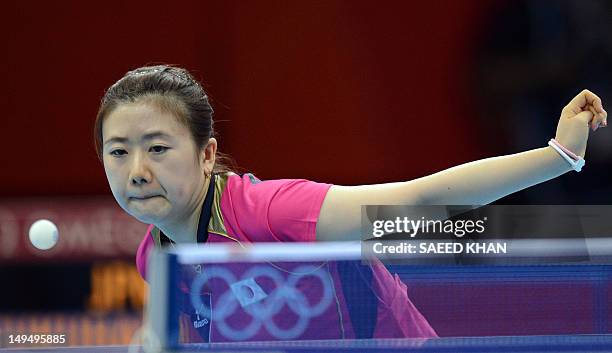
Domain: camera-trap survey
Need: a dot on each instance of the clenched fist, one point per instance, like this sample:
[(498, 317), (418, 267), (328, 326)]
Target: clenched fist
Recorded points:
[(582, 112)]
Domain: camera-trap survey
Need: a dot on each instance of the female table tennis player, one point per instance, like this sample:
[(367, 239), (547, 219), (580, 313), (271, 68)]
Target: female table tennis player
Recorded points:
[(154, 133)]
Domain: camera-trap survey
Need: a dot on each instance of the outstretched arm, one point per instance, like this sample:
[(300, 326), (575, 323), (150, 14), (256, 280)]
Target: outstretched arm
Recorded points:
[(475, 183)]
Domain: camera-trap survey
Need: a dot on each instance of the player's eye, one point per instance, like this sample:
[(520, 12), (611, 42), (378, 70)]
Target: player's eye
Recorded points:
[(118, 153), (158, 149)]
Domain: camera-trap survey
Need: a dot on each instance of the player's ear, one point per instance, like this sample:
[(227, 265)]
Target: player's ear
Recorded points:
[(208, 154)]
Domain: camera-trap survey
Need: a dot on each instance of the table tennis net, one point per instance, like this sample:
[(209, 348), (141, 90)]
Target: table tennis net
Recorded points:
[(328, 291)]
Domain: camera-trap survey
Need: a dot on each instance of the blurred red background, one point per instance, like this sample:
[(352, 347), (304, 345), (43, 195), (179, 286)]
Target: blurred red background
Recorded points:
[(346, 92)]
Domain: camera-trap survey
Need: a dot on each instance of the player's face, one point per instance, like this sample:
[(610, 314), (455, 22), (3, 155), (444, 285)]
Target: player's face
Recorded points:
[(152, 164)]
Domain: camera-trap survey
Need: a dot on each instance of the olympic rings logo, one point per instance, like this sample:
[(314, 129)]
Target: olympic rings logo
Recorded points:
[(262, 312)]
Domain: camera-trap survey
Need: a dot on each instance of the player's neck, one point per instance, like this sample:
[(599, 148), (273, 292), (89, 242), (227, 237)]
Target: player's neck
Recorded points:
[(185, 230)]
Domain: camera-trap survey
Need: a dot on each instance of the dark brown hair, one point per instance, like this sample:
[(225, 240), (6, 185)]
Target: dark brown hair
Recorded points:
[(173, 89)]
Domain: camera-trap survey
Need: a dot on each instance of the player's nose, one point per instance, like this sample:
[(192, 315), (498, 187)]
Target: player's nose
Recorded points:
[(140, 173)]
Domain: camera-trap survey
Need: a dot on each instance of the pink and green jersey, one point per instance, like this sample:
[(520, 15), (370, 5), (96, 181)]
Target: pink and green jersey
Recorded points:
[(247, 210)]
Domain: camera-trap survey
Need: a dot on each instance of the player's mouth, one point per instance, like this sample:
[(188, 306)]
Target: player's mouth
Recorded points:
[(142, 198)]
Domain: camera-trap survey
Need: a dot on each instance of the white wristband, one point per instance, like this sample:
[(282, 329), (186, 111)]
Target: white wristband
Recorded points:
[(576, 164)]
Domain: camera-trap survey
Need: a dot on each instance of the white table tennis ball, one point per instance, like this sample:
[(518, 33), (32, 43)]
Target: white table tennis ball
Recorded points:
[(43, 234)]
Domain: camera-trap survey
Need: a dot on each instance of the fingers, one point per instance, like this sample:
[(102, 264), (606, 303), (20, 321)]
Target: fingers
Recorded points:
[(598, 121), (582, 100), (594, 122), (586, 98), (593, 100), (587, 101)]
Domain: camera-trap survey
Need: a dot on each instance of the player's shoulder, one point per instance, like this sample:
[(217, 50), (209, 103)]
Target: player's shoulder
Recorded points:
[(235, 178), (248, 185), (240, 185)]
